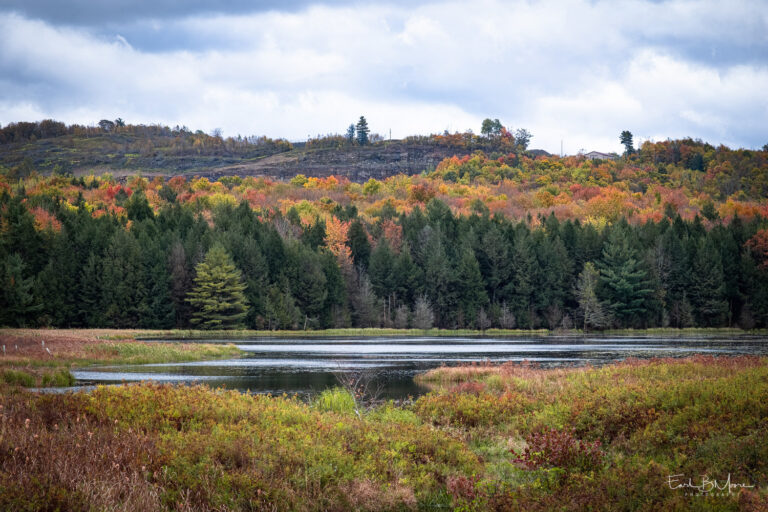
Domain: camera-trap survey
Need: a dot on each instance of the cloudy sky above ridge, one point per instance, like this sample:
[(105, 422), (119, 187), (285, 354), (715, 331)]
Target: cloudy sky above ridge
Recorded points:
[(579, 71)]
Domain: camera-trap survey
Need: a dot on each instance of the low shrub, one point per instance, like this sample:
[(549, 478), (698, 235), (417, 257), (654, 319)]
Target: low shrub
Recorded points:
[(389, 413), (465, 405), (559, 449), (336, 400)]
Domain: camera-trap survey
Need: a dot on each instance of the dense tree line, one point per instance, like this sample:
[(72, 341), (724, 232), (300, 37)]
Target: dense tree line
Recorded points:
[(150, 269), (180, 136)]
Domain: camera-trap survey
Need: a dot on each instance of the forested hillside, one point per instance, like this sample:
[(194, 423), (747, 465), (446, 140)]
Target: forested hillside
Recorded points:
[(481, 242), (495, 235)]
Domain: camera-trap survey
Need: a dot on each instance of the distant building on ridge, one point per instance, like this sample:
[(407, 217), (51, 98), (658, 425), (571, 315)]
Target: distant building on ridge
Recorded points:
[(596, 155)]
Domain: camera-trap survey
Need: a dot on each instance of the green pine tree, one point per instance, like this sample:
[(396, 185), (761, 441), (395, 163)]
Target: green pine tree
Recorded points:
[(137, 207), (57, 285), (673, 275), (624, 279), (554, 279), (123, 290), (280, 309), (351, 134), (17, 302), (382, 269), (90, 304), (362, 131), (519, 291), (440, 282), (307, 282), (217, 297), (707, 289), (18, 233), (336, 296), (626, 141), (494, 261), (358, 243), (589, 305), (158, 311), (409, 278), (472, 296)]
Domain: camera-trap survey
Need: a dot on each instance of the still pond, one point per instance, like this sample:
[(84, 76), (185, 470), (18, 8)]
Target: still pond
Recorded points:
[(307, 366)]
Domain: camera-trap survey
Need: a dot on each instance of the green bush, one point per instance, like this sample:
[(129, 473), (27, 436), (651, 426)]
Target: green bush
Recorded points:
[(59, 379), (18, 378), (389, 413), (336, 400)]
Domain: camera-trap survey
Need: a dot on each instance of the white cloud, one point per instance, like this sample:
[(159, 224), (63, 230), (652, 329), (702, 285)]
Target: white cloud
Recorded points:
[(658, 97), (573, 69)]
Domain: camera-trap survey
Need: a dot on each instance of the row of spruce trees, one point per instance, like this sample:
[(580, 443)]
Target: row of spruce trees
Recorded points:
[(175, 268)]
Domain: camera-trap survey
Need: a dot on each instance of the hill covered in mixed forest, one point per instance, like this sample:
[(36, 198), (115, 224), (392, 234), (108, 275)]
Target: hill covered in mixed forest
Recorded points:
[(671, 234)]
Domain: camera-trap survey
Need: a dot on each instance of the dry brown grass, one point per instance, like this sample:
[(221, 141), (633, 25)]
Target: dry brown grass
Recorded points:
[(25, 345), (513, 375), (365, 494), (55, 457)]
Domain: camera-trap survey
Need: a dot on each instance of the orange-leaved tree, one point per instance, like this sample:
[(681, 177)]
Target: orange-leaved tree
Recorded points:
[(336, 241)]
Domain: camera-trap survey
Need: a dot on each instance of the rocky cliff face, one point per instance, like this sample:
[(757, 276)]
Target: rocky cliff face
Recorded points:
[(357, 164), (83, 156)]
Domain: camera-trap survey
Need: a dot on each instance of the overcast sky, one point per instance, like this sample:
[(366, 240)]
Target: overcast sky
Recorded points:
[(573, 70)]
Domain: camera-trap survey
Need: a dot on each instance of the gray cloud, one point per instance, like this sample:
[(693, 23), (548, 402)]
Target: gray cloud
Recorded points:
[(87, 12)]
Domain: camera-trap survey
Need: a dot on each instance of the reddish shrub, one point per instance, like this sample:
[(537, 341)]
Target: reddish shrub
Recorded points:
[(471, 387), (559, 448), (462, 488)]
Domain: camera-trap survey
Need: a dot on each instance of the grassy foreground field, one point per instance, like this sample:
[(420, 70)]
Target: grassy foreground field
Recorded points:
[(627, 436)]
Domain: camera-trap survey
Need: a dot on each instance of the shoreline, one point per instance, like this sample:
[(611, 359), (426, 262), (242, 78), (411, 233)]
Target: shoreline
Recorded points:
[(183, 334), (34, 358), (41, 358)]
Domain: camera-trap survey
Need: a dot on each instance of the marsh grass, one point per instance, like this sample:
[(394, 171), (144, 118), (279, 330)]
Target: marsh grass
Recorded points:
[(41, 358), (147, 353), (685, 331), (607, 438), (37, 378), (162, 447), (599, 439), (18, 377)]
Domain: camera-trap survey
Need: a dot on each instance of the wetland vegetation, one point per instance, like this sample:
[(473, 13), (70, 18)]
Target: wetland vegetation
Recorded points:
[(489, 437)]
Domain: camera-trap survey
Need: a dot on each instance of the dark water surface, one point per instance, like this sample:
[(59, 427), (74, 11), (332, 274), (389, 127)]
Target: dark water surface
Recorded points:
[(306, 366)]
